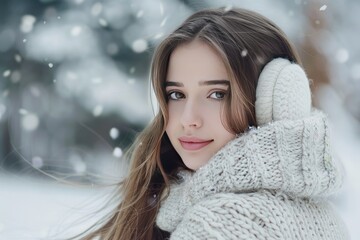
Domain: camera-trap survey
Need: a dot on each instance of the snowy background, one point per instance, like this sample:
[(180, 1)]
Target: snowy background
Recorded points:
[(74, 93)]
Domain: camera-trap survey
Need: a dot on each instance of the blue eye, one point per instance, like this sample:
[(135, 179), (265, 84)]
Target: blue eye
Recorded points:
[(218, 95), (175, 95)]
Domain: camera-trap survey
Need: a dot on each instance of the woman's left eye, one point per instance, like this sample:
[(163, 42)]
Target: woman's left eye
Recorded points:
[(217, 95)]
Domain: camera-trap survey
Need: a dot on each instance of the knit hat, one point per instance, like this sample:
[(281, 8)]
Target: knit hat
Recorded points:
[(282, 92)]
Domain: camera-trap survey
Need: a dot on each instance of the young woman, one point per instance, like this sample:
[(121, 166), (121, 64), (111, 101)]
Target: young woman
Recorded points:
[(235, 151)]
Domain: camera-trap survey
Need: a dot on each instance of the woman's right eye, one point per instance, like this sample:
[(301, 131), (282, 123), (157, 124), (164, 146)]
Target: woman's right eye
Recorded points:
[(175, 95)]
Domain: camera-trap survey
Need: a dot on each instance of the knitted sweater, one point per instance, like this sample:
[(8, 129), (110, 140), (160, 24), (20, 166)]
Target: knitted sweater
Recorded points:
[(268, 183)]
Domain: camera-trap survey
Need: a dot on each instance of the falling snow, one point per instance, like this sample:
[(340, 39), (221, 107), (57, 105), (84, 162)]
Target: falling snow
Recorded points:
[(30, 122), (244, 53), (18, 58), (96, 9), (342, 51), (140, 14), (23, 111), (228, 8), (139, 45), (159, 35), (37, 162), (323, 8), (76, 30), (27, 23), (78, 164), (98, 110), (2, 110), (163, 21), (114, 133), (342, 55), (7, 73), (103, 22), (117, 152)]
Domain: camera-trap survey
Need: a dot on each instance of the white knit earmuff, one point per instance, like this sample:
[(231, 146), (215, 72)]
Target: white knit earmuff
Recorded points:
[(283, 92)]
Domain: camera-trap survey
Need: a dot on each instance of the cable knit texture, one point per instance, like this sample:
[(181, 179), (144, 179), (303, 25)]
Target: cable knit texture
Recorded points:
[(268, 183)]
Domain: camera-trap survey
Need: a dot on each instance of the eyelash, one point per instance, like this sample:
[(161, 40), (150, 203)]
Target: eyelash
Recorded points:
[(171, 93), (177, 92)]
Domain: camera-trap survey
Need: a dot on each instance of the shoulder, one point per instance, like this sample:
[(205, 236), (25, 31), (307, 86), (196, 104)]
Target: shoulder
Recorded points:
[(250, 204), (259, 215), (228, 216)]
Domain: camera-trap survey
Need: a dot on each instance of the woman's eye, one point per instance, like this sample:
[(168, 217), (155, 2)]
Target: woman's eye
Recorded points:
[(175, 95), (217, 95)]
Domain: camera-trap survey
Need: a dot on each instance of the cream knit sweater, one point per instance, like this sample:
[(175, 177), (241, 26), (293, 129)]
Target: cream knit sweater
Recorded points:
[(268, 183)]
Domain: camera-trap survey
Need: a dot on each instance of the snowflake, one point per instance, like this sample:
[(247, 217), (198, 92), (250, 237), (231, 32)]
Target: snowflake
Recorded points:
[(323, 8), (37, 162), (244, 53), (98, 110), (103, 22), (96, 9), (27, 23), (30, 122), (75, 31), (18, 58), (117, 152), (114, 133), (7, 73), (139, 45)]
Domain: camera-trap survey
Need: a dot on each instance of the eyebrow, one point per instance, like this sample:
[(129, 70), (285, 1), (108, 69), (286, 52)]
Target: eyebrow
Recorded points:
[(201, 83)]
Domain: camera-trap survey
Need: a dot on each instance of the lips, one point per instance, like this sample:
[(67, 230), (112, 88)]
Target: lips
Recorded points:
[(193, 144)]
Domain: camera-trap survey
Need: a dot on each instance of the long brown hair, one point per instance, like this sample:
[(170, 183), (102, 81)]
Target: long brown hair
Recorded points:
[(245, 41)]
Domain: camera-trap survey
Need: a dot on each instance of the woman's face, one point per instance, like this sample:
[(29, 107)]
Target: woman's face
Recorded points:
[(196, 85)]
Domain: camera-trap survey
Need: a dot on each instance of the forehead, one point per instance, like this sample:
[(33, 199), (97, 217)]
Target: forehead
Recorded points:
[(195, 61)]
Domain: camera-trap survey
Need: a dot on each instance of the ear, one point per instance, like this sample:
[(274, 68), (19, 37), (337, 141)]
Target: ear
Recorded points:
[(282, 92)]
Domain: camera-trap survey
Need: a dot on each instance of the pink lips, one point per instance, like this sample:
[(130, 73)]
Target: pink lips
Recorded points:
[(192, 143)]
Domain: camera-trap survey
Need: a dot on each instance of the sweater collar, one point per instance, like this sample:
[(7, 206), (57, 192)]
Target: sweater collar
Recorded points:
[(290, 156)]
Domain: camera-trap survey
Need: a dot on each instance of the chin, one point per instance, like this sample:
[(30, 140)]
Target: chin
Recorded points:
[(195, 166)]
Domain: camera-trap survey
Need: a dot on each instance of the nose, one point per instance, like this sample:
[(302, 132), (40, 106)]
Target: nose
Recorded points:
[(191, 115)]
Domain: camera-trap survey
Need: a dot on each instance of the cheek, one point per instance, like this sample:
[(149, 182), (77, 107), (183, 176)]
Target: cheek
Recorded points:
[(213, 115), (172, 109), (173, 116), (216, 123)]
